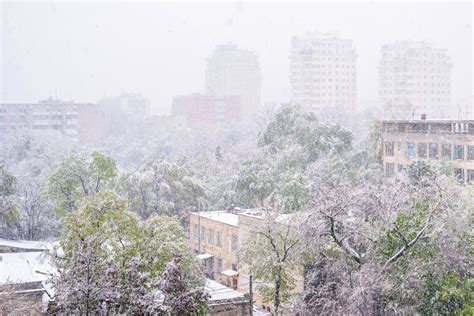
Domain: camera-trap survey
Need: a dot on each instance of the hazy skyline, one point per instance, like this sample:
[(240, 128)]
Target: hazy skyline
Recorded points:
[(86, 51)]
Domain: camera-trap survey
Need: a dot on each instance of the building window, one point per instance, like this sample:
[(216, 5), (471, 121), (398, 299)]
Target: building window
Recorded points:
[(234, 243), (203, 233), (459, 174), (219, 265), (422, 150), (211, 236), (411, 150), (458, 153), (446, 151), (470, 152), (389, 149), (470, 176), (434, 151), (234, 266), (196, 232), (219, 239), (400, 167), (389, 170)]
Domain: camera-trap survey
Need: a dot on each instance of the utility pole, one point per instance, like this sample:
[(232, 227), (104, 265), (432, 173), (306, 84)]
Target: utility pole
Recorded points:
[(250, 295)]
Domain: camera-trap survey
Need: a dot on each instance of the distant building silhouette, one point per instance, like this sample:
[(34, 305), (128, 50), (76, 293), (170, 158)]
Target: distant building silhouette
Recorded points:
[(323, 72), (235, 72), (201, 109), (415, 79), (79, 121)]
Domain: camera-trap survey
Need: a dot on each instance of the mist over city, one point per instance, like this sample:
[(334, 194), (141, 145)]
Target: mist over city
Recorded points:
[(236, 158)]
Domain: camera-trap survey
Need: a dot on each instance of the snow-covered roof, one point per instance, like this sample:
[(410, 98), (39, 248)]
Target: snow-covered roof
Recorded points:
[(230, 272), (220, 216), (28, 244), (221, 292), (204, 256), (22, 267)]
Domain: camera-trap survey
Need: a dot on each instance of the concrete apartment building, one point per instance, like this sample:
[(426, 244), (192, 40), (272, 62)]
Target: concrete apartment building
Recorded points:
[(201, 109), (323, 73), (452, 141), (415, 79), (235, 72), (79, 121)]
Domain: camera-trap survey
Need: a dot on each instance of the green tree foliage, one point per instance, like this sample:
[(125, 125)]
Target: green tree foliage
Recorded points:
[(76, 177), (292, 126), (108, 249), (272, 250), (163, 188), (9, 210), (292, 141)]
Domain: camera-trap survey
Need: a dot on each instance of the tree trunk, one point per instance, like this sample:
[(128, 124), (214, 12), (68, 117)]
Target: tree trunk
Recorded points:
[(276, 299)]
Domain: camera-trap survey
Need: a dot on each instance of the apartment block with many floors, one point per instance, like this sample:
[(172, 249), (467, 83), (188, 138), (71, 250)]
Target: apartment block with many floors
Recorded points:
[(451, 141), (415, 79), (78, 121), (323, 72), (231, 71)]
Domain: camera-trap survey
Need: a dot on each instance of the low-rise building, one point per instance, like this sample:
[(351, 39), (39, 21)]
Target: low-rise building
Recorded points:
[(224, 301), (452, 141), (216, 237), (25, 267)]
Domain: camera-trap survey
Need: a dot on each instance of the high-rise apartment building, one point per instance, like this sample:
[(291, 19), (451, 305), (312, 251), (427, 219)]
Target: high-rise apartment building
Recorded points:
[(415, 80), (323, 72), (234, 72)]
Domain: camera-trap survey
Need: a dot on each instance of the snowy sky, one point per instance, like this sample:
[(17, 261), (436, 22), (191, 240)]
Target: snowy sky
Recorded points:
[(86, 51)]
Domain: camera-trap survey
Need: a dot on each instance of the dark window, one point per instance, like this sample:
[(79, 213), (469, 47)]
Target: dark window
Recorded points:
[(234, 267), (459, 174), (400, 167), (211, 236), (422, 150), (234, 243), (219, 239), (389, 170), (458, 153), (203, 233), (434, 151), (470, 176), (411, 150), (446, 151), (470, 152), (196, 232), (389, 149), (219, 265)]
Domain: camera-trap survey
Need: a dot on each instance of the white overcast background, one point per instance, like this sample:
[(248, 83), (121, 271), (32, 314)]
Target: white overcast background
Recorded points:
[(85, 51)]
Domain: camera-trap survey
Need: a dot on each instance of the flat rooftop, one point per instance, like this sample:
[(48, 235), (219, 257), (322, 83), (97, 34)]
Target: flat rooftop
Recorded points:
[(221, 292), (220, 216)]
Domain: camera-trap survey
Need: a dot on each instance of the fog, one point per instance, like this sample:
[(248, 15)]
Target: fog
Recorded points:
[(85, 51), (236, 158)]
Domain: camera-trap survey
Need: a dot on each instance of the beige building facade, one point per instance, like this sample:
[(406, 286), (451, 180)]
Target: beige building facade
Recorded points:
[(216, 238), (449, 141)]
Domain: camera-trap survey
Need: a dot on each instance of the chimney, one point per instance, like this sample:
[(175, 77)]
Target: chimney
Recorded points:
[(423, 117)]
